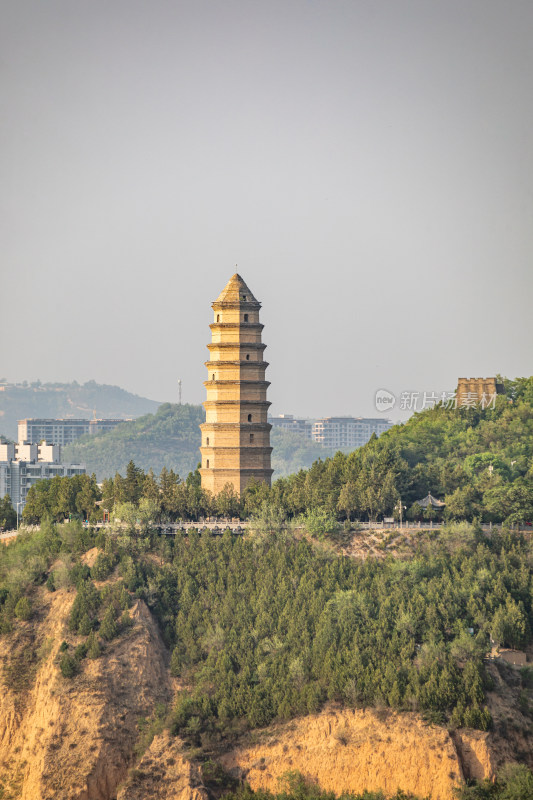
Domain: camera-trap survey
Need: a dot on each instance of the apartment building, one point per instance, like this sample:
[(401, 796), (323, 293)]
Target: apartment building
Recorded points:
[(62, 431), (25, 463), (288, 422), (344, 433)]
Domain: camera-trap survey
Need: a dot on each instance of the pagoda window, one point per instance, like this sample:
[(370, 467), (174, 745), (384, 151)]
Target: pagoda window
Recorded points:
[(207, 463), (251, 438), (249, 417), (207, 441), (246, 317)]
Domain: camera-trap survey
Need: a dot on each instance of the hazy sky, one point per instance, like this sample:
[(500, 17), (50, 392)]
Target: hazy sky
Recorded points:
[(367, 164)]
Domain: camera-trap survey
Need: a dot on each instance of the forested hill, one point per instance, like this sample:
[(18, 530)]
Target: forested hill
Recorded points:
[(57, 400), (480, 462), (171, 438)]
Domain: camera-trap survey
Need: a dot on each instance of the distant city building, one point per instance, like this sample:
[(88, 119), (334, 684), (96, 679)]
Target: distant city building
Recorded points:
[(472, 392), (25, 463), (289, 423), (347, 432), (63, 431)]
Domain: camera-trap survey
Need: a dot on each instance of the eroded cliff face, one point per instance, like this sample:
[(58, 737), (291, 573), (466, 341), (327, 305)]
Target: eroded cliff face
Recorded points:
[(345, 750), (165, 774), (74, 739)]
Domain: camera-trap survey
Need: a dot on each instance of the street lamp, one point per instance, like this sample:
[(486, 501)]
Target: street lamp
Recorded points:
[(400, 509)]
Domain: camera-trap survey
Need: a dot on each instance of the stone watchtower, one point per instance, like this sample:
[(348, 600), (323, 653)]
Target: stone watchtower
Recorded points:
[(236, 435)]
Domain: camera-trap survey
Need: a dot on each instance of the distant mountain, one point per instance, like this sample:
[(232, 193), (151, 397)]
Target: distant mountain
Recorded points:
[(171, 438), (57, 400)]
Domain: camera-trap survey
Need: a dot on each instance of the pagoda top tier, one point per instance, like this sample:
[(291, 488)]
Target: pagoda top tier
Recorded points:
[(236, 292)]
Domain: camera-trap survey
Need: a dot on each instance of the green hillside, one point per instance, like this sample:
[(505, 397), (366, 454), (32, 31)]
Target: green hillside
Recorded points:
[(480, 462), (57, 400), (292, 452), (171, 438)]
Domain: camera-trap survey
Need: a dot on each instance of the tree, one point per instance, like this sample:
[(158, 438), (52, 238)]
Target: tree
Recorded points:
[(93, 646), (108, 628), (466, 647), (461, 504), (8, 515), (268, 520), (37, 502), (133, 483), (86, 602), (512, 502), (172, 500), (509, 624), (347, 502), (227, 502), (69, 665), (87, 497), (66, 499), (150, 488), (415, 512)]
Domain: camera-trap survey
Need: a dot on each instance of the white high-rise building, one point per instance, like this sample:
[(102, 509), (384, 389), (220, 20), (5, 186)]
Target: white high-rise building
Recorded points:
[(25, 463), (345, 433)]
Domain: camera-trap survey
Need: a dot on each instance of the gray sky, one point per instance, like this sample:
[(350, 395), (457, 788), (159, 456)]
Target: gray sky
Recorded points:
[(368, 165)]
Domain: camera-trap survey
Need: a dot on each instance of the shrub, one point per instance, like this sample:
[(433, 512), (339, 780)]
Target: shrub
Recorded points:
[(23, 609), (319, 522), (125, 620), (80, 652), (69, 665)]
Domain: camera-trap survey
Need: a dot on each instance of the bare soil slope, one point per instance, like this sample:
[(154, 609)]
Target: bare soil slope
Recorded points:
[(345, 750), (164, 774), (73, 739)]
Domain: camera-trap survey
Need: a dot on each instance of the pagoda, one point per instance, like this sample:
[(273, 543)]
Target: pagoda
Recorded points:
[(236, 434)]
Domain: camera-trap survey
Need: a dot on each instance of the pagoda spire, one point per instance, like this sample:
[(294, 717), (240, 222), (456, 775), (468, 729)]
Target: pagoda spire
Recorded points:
[(236, 434)]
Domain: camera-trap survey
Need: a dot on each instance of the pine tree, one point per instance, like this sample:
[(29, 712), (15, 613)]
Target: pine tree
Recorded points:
[(93, 646), (133, 483), (108, 628), (85, 627)]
